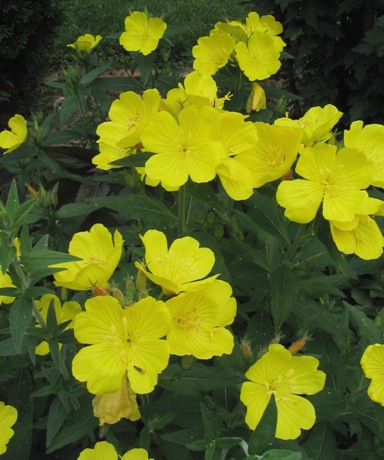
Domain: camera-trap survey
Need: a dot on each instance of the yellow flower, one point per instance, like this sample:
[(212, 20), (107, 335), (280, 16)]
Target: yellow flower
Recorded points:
[(183, 148), (86, 43), (136, 454), (274, 153), (124, 343), (153, 182), (362, 236), (285, 376), (238, 137), (256, 100), (64, 313), (259, 58), (199, 89), (212, 53), (6, 282), (198, 320), (370, 140), (103, 450), (372, 363), (234, 29), (236, 178), (142, 33), (235, 133), (179, 268), (200, 85), (11, 140), (336, 179), (264, 24), (8, 417), (128, 116), (316, 123), (112, 407), (110, 153), (100, 256)]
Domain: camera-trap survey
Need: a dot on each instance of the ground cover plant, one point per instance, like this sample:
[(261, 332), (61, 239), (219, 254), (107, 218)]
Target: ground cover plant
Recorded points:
[(188, 271)]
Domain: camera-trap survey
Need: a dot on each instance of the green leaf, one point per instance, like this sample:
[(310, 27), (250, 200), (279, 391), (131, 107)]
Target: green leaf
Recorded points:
[(13, 203), (314, 315), (330, 404), (7, 347), (51, 317), (42, 244), (321, 443), (37, 291), (284, 288), (74, 210), (20, 318), (138, 207), (67, 109), (145, 64), (277, 93), (196, 379), (93, 74), (368, 330), (44, 258), (323, 232), (7, 253), (118, 84), (21, 213), (76, 427), (205, 194), (268, 215), (264, 435), (212, 427), (184, 437), (227, 442), (281, 454), (56, 418)]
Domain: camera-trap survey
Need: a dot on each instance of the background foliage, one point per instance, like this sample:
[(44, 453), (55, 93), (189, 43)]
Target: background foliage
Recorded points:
[(27, 31), (337, 50)]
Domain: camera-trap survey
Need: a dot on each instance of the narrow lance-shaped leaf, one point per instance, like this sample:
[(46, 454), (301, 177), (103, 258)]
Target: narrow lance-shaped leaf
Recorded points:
[(264, 435), (20, 318), (284, 286)]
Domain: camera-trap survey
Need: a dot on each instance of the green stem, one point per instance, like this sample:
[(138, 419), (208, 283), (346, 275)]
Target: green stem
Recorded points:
[(182, 211), (24, 285), (295, 245)]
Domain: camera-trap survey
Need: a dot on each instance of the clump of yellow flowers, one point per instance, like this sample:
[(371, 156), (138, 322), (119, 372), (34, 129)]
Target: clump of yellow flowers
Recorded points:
[(192, 137), (128, 344)]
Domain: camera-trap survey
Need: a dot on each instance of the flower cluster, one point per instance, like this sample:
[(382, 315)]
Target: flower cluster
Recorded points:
[(188, 132), (253, 45), (129, 343), (192, 137), (335, 179)]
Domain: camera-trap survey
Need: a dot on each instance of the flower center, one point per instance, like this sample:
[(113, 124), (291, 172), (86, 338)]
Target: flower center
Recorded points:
[(122, 340), (133, 122), (274, 158), (95, 260), (188, 321)]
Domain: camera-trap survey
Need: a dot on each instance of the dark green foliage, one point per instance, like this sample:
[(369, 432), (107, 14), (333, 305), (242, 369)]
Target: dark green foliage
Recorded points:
[(26, 37), (338, 50)]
